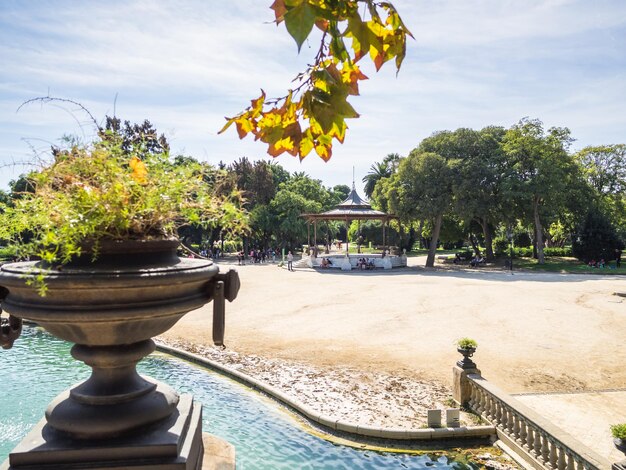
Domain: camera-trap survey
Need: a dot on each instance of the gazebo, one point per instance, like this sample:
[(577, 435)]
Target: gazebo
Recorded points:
[(352, 208)]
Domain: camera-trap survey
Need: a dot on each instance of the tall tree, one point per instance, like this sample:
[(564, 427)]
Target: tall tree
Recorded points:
[(479, 168), (604, 169), (422, 189), (378, 171), (540, 171)]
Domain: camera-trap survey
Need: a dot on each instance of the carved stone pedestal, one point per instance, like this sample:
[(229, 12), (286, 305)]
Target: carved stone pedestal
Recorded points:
[(174, 444)]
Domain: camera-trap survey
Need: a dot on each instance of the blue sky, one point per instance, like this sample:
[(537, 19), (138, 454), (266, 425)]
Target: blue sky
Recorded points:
[(185, 65)]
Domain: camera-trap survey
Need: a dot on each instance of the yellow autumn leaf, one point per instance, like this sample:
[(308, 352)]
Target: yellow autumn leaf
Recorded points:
[(139, 173)]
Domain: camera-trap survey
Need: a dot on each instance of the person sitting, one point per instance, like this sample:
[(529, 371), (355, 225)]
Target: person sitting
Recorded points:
[(477, 261), (370, 264), (592, 263), (324, 263), (601, 263)]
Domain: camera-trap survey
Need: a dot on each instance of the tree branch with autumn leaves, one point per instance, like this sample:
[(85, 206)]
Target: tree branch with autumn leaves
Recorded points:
[(314, 112)]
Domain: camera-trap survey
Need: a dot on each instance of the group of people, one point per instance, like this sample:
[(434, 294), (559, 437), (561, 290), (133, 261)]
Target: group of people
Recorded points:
[(326, 263), (603, 264), (257, 256), (365, 263)]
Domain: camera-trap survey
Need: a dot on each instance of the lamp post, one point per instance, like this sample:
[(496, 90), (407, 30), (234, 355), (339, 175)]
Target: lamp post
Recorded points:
[(509, 235)]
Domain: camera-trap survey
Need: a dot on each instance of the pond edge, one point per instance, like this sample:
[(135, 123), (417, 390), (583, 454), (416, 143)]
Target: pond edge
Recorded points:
[(422, 434)]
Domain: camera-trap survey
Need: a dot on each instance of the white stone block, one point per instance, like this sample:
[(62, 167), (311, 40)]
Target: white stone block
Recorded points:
[(453, 418), (434, 418)]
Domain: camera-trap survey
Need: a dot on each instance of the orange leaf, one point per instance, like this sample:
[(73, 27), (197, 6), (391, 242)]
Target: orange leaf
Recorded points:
[(140, 172)]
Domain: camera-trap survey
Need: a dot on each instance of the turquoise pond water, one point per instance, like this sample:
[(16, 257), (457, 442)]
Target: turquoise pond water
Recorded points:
[(266, 437)]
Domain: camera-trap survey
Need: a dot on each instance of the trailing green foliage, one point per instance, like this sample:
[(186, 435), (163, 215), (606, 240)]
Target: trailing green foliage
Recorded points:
[(105, 191)]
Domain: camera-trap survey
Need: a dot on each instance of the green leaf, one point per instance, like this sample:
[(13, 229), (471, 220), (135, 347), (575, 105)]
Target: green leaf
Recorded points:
[(299, 21)]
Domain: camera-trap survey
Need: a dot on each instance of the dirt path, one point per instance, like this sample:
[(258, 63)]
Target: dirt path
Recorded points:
[(536, 332)]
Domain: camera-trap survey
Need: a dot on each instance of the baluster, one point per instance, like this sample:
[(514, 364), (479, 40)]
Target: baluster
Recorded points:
[(473, 402), (552, 455), (523, 432), (537, 443), (579, 463), (481, 402), (487, 405), (516, 427), (490, 405), (530, 438), (545, 448), (561, 463), (506, 419), (511, 423), (570, 461), (498, 409)]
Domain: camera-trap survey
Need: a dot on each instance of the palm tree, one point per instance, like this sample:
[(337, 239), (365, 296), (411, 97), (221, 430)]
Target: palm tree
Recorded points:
[(378, 171)]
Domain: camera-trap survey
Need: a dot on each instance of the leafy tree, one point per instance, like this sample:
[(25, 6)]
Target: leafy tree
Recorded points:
[(479, 168), (540, 172), (604, 169), (314, 113), (422, 189), (339, 193), (134, 139), (596, 238)]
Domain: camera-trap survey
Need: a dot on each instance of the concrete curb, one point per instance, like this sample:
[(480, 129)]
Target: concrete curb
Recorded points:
[(424, 434)]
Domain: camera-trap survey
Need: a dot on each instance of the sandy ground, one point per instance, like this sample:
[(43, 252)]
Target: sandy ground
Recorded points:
[(536, 332)]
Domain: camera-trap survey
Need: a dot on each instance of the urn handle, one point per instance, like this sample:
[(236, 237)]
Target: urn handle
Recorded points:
[(10, 328), (224, 287)]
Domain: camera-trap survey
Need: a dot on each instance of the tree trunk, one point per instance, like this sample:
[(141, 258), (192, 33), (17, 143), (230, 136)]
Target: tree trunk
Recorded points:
[(474, 245), (430, 261), (420, 236), (538, 232), (488, 239)]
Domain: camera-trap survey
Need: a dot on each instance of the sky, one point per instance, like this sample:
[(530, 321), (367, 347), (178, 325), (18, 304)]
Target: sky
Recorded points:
[(185, 65)]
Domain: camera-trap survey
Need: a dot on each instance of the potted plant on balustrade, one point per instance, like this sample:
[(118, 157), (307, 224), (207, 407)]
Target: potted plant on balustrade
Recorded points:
[(467, 347), (101, 221), (618, 431)]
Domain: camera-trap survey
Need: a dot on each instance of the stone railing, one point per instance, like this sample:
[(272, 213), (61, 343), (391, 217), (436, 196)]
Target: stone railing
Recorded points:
[(535, 439)]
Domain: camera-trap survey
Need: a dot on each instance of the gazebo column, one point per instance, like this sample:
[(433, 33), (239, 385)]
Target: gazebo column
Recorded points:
[(315, 238), (347, 239), (308, 235), (384, 238), (327, 245)]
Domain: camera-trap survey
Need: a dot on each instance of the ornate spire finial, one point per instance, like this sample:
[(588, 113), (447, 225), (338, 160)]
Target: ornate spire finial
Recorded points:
[(353, 187)]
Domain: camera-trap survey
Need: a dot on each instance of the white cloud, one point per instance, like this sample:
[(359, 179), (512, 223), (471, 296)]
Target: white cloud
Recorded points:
[(186, 65)]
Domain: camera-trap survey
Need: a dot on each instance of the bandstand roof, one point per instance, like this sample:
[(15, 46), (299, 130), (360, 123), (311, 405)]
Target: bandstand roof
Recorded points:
[(352, 208)]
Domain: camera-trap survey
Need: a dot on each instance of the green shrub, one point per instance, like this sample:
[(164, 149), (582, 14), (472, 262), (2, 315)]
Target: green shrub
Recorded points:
[(501, 246), (522, 240), (619, 431), (524, 252), (467, 343), (596, 238), (557, 251), (6, 253)]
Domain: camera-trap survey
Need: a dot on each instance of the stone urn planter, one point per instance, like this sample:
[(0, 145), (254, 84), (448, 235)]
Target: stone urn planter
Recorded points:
[(620, 444), (111, 308), (466, 362)]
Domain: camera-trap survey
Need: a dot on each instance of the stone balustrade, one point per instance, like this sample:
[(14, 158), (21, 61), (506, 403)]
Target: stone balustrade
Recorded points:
[(534, 438)]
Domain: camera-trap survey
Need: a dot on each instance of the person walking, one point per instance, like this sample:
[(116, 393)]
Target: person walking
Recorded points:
[(290, 261), (618, 258)]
